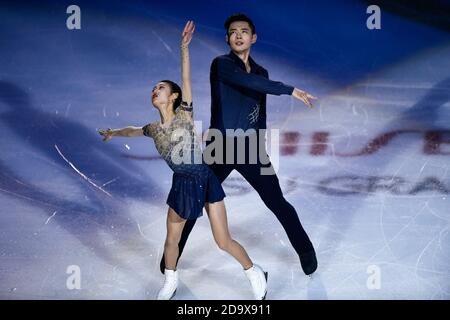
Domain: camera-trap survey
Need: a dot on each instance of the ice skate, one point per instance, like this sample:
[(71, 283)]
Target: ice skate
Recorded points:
[(169, 288), (258, 280), (308, 261)]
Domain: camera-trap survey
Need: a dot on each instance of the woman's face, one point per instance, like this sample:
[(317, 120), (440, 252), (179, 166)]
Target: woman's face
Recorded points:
[(161, 95)]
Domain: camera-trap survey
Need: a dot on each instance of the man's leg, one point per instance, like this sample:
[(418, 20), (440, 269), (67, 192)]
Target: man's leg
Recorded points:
[(221, 171), (268, 188)]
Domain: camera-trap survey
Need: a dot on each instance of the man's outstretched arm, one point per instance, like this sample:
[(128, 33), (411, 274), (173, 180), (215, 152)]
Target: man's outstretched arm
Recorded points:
[(229, 73)]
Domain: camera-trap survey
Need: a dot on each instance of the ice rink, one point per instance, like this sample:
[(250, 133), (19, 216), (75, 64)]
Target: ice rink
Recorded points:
[(367, 169)]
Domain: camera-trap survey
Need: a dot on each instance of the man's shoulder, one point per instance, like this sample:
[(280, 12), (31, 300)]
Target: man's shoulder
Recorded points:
[(228, 58), (223, 57), (260, 68), (220, 62)]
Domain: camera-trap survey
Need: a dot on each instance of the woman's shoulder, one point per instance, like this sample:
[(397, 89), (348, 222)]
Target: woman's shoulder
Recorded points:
[(186, 106), (152, 125), (150, 128), (185, 110)]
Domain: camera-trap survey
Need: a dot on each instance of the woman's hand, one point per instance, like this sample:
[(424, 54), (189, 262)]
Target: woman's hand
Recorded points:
[(107, 134), (188, 31), (303, 96)]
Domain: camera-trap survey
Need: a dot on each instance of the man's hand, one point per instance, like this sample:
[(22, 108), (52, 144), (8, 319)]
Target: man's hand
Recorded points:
[(188, 31), (107, 134), (303, 96)]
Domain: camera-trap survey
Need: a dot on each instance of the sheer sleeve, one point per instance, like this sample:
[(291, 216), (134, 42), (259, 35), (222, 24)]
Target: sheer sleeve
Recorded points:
[(186, 108), (149, 130)]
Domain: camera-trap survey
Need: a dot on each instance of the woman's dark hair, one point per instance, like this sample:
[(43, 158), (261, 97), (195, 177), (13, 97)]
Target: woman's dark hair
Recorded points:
[(174, 88), (239, 17)]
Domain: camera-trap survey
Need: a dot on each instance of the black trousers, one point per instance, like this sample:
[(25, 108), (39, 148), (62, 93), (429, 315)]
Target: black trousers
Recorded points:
[(268, 188)]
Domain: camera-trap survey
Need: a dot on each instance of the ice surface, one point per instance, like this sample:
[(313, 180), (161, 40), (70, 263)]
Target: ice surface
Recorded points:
[(367, 169)]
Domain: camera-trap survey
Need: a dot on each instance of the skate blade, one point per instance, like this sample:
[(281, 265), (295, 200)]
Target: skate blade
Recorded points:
[(266, 275)]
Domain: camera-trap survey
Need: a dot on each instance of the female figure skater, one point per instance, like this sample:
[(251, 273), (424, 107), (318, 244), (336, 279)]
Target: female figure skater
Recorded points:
[(194, 185)]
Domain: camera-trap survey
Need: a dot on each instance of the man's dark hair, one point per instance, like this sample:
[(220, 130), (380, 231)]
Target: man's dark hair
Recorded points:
[(174, 88), (239, 17)]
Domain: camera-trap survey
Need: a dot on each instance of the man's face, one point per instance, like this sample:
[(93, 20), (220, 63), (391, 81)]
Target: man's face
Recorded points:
[(240, 36)]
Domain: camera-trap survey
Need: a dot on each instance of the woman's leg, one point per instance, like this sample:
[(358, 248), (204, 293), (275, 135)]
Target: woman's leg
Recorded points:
[(221, 171), (219, 225), (175, 226)]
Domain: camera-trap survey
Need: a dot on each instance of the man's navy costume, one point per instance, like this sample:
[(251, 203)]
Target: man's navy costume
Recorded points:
[(238, 101)]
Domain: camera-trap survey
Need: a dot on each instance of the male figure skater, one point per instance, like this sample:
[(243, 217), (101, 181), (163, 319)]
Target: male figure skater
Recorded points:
[(238, 101)]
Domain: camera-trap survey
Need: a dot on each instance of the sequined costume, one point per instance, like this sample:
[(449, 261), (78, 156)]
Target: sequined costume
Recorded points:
[(193, 183)]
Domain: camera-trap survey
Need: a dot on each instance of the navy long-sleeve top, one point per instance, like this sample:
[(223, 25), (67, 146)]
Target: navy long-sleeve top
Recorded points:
[(238, 98)]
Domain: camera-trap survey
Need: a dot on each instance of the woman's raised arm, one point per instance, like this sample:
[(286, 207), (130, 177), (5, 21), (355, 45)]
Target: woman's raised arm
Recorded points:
[(186, 38)]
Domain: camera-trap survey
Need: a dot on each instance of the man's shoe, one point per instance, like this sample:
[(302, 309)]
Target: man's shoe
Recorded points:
[(308, 261)]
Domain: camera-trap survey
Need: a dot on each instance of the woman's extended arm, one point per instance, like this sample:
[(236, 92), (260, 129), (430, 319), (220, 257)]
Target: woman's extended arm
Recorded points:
[(186, 38), (123, 132)]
